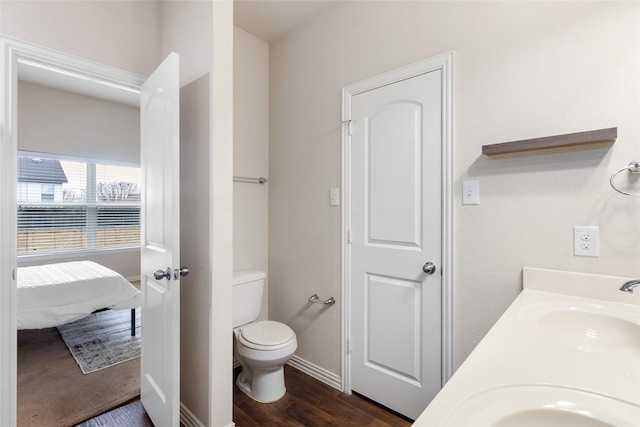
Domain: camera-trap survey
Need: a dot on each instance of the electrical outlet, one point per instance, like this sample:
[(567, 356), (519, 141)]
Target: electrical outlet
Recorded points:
[(586, 241)]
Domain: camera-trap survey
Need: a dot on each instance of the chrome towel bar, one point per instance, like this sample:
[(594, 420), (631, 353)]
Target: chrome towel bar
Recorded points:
[(316, 299), (259, 180)]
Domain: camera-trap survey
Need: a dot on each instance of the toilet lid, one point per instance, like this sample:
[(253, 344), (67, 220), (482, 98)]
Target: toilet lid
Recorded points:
[(267, 333)]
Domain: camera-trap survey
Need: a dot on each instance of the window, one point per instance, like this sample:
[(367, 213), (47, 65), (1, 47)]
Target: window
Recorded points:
[(72, 205), (48, 192)]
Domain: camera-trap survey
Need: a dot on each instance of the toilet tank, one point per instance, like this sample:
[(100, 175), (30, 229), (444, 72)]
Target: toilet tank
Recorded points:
[(247, 296)]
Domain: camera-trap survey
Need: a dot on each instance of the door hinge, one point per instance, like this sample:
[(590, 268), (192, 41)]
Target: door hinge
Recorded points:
[(348, 122), (349, 238)]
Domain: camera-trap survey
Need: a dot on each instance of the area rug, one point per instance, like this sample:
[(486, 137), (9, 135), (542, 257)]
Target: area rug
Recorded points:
[(102, 339), (53, 391)]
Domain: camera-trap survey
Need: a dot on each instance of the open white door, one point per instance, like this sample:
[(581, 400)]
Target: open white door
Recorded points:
[(160, 254)]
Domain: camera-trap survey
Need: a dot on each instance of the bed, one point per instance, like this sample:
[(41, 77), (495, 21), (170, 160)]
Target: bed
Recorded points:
[(54, 294)]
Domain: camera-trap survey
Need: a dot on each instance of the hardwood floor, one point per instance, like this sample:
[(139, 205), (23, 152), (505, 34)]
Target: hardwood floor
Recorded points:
[(308, 403)]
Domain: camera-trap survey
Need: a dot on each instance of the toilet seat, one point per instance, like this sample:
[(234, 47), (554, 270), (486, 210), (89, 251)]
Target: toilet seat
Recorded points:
[(266, 335)]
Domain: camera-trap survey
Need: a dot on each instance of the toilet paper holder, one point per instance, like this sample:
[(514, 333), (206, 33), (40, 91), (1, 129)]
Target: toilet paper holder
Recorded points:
[(316, 299)]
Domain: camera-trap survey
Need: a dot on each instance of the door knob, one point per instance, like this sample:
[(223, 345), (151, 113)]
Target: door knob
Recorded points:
[(180, 272), (162, 274), (429, 268)]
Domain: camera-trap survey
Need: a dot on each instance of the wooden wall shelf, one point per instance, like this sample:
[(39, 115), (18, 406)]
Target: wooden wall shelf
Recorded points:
[(608, 135)]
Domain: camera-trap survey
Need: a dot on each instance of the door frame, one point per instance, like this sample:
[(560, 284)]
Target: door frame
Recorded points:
[(443, 62), (11, 53)]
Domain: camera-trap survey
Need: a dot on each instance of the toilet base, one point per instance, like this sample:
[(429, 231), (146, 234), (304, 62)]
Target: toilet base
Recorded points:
[(265, 386)]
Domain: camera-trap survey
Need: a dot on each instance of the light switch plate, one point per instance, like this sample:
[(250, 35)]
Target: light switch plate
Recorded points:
[(334, 197), (471, 192)]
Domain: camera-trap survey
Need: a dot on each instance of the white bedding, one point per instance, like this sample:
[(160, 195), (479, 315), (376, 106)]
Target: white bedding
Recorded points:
[(55, 294)]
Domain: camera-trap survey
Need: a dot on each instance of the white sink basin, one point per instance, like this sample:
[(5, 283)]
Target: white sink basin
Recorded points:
[(565, 353), (542, 405), (592, 332), (549, 417), (588, 328)]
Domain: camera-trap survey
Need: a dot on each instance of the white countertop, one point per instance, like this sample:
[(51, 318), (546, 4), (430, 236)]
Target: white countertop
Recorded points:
[(568, 339)]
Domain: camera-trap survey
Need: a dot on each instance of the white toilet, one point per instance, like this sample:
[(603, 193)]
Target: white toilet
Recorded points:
[(263, 347)]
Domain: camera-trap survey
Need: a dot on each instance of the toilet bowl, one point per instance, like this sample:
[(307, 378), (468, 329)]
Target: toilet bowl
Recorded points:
[(263, 347)]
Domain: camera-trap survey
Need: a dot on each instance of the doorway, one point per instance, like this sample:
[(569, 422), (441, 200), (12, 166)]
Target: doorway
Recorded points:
[(88, 128), (398, 242), (74, 72)]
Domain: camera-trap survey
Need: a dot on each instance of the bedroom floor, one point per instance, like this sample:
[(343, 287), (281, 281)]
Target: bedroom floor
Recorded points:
[(308, 402), (53, 391)]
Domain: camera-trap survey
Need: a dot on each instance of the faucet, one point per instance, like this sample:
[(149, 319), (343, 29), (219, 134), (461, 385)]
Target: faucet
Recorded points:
[(628, 287)]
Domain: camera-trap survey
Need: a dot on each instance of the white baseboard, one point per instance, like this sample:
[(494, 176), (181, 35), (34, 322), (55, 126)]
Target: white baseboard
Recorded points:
[(316, 372), (133, 278), (188, 419)]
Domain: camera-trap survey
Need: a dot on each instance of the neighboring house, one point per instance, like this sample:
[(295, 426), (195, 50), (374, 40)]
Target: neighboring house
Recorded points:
[(40, 180)]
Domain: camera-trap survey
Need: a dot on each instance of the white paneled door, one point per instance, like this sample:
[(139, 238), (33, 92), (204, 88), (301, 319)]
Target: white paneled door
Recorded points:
[(396, 249), (160, 253)]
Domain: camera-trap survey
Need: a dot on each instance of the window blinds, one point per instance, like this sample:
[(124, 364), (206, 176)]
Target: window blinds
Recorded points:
[(66, 205)]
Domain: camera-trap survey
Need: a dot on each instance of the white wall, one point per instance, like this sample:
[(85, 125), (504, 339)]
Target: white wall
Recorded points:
[(250, 153), (60, 122), (201, 33), (522, 70), (187, 30), (221, 204), (195, 289), (195, 295), (123, 34)]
